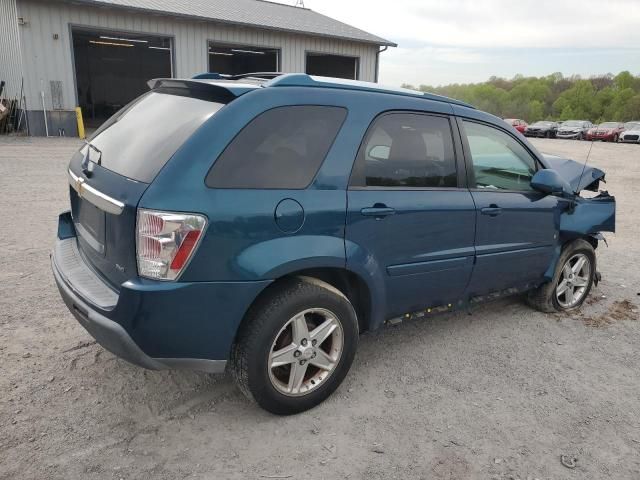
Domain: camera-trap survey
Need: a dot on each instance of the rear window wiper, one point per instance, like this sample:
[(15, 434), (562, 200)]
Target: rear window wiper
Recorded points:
[(87, 163)]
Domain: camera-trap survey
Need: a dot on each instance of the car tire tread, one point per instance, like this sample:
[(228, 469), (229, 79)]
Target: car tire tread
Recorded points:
[(265, 317), (542, 298)]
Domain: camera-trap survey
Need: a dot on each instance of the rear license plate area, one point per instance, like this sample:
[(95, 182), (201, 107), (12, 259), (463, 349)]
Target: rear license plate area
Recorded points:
[(90, 225)]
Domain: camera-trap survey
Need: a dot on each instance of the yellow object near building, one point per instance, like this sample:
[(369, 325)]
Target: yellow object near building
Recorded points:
[(81, 133)]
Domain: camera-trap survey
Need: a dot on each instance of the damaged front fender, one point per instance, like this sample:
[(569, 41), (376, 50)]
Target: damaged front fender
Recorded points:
[(589, 216), (584, 218)]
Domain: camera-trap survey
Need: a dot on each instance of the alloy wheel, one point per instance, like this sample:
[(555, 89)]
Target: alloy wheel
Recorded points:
[(305, 352), (573, 281)]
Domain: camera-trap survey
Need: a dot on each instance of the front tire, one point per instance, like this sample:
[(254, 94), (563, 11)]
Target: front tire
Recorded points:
[(295, 346), (572, 280)]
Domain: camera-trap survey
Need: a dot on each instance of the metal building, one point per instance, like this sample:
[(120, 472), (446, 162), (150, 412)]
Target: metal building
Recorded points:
[(98, 54)]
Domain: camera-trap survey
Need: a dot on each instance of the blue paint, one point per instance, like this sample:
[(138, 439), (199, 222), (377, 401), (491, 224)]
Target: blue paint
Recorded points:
[(412, 248)]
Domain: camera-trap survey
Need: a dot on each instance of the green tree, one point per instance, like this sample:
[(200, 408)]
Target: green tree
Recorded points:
[(599, 98)]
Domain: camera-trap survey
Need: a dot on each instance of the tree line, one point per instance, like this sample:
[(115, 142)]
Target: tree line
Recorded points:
[(554, 97)]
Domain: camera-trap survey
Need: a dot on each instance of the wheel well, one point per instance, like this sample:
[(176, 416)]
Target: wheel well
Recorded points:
[(348, 283), (587, 238)]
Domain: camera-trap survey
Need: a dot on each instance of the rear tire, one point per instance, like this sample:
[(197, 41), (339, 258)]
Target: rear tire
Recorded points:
[(546, 298), (277, 358)]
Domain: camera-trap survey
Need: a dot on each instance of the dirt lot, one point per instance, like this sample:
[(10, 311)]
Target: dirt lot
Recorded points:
[(502, 393)]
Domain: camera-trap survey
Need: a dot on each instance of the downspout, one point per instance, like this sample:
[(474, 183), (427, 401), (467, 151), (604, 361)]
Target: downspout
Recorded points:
[(384, 49)]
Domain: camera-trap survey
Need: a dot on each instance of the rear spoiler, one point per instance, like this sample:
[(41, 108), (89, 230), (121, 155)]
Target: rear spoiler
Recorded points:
[(207, 89)]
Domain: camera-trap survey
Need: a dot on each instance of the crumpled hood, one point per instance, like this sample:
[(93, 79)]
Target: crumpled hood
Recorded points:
[(572, 172)]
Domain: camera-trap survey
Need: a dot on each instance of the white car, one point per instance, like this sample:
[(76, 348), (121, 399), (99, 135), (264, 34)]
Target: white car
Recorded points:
[(631, 132)]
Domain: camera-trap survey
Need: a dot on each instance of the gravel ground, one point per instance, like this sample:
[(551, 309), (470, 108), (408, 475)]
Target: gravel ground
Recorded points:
[(500, 393)]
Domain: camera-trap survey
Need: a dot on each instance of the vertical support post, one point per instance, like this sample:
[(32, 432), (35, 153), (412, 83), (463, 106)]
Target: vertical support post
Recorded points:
[(81, 132), (44, 112)]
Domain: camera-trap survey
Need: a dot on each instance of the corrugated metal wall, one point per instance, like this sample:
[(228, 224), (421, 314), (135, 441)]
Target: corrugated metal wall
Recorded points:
[(10, 58), (47, 59)]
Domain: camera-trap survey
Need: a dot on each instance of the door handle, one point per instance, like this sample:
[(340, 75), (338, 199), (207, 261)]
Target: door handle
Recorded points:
[(492, 210), (378, 212)]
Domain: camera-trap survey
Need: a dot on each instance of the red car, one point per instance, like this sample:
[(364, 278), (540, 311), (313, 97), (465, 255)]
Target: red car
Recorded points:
[(516, 123), (607, 132)]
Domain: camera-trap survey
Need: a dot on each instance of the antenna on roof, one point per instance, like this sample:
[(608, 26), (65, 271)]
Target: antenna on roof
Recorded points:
[(299, 3)]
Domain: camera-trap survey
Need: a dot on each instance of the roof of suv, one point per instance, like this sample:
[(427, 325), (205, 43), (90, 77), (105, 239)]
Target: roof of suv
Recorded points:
[(240, 84)]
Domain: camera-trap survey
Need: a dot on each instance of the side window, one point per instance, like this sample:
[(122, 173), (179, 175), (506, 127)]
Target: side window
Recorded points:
[(407, 150), (499, 161), (281, 148)]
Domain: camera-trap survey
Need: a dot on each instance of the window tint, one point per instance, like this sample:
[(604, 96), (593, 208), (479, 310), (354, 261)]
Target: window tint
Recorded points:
[(141, 138), (407, 150), (499, 161), (281, 148)]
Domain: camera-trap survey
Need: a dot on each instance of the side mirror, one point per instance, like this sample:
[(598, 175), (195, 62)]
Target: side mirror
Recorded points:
[(550, 182)]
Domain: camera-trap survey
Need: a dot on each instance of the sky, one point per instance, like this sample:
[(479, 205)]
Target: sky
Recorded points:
[(465, 41)]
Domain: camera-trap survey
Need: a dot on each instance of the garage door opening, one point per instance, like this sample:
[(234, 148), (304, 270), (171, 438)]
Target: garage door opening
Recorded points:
[(235, 60), (112, 69), (332, 65)]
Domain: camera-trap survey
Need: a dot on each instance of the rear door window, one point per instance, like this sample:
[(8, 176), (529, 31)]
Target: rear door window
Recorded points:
[(282, 148), (141, 138), (407, 150)]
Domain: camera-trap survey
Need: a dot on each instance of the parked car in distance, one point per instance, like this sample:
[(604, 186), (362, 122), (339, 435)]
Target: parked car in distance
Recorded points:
[(519, 125), (607, 132), (542, 128), (631, 133), (575, 129), (262, 222)]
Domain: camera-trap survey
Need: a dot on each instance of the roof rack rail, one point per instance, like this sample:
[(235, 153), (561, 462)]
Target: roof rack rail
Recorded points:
[(304, 80), (224, 76)]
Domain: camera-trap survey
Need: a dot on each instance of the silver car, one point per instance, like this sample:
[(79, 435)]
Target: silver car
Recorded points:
[(631, 132), (576, 129)]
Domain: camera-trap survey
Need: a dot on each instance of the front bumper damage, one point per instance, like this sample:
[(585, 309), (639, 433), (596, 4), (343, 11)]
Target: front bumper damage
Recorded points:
[(583, 217)]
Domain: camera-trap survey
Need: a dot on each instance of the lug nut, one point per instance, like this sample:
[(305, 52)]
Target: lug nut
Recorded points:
[(314, 355), (302, 362), (304, 342), (297, 353), (314, 342)]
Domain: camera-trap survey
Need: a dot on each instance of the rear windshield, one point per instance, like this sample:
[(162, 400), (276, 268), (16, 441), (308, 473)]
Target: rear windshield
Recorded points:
[(141, 138)]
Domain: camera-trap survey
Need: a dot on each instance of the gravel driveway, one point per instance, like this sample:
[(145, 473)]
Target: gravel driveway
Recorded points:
[(499, 392)]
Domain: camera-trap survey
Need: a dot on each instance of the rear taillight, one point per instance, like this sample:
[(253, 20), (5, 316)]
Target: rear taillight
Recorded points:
[(166, 241)]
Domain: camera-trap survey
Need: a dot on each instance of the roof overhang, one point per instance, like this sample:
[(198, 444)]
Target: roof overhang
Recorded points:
[(104, 4)]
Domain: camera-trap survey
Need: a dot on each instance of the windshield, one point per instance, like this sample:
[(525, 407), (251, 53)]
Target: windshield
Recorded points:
[(141, 138), (572, 123), (608, 125), (543, 124), (632, 126)]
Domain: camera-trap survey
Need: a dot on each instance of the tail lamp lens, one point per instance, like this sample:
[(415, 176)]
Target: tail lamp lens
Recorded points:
[(166, 241)]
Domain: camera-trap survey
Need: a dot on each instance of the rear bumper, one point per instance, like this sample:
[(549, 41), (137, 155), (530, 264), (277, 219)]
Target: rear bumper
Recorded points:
[(155, 325), (106, 332)]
